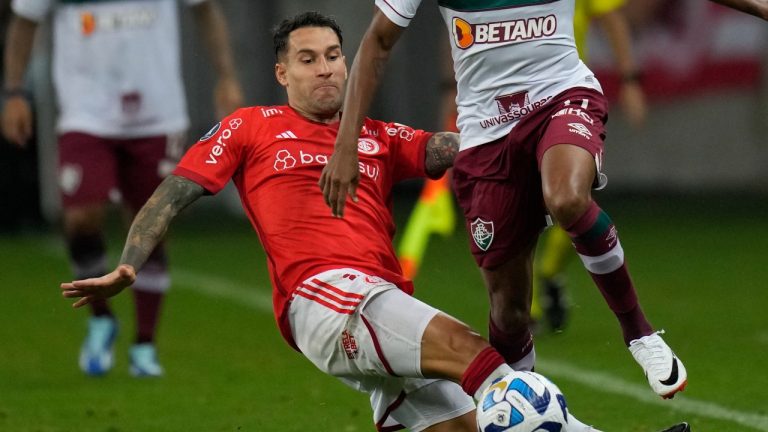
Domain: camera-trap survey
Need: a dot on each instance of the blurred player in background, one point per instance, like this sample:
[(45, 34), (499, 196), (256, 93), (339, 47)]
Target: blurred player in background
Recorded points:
[(121, 125), (517, 66), (549, 301), (338, 290)]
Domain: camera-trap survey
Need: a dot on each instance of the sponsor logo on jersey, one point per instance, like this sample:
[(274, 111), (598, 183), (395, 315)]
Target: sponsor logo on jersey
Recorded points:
[(512, 102), (403, 131), (269, 112), (513, 107), (284, 160), (466, 34), (368, 146), (286, 135), (580, 129), (349, 344), (131, 19), (482, 233), (211, 132), (222, 141)]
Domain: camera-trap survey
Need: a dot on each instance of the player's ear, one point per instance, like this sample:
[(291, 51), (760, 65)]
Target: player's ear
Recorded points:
[(280, 74)]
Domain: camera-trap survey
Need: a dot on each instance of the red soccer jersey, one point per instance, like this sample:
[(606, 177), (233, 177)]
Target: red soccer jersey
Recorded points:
[(275, 157)]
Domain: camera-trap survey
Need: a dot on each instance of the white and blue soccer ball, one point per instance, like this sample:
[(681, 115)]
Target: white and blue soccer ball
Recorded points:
[(522, 402)]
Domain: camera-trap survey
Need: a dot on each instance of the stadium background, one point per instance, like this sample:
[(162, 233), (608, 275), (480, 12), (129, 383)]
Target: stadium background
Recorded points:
[(689, 193)]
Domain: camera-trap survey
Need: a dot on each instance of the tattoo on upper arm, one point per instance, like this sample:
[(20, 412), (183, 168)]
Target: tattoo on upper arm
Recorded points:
[(442, 149), (148, 228)]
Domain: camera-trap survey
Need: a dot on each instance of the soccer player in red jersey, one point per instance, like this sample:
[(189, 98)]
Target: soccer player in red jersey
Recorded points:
[(339, 294)]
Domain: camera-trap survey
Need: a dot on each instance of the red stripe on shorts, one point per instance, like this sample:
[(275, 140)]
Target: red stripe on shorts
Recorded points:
[(337, 290), (330, 295), (376, 345), (322, 302), (393, 406)]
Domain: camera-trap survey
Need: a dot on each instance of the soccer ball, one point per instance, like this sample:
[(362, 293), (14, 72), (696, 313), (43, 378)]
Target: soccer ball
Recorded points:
[(522, 402)]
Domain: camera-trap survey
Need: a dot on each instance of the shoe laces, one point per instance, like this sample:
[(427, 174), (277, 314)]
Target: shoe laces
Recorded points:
[(652, 351)]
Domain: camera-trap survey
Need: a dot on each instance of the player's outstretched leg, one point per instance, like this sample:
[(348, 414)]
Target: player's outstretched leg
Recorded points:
[(664, 371)]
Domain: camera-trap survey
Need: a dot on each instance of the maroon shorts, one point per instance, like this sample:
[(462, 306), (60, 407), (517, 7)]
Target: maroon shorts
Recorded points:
[(498, 184), (93, 170)]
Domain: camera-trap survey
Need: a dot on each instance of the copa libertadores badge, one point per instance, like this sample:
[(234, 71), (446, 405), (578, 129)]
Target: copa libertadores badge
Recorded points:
[(482, 233)]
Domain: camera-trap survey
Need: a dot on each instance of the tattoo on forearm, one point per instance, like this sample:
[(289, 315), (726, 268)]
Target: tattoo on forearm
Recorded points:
[(442, 149), (152, 221)]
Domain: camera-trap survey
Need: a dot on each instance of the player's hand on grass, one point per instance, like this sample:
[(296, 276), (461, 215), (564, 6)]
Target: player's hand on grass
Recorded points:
[(90, 290), (17, 120), (339, 179)]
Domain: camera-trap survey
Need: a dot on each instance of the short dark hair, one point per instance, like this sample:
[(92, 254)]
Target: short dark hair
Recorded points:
[(282, 31)]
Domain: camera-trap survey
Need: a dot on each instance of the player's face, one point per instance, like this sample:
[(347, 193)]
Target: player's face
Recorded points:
[(313, 71)]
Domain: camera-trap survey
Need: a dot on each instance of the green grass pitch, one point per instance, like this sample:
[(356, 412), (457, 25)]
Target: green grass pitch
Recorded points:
[(699, 265)]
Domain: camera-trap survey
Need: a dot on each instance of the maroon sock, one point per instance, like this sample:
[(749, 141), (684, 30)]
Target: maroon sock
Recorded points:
[(147, 314), (597, 243), (513, 346), (88, 253), (487, 361)]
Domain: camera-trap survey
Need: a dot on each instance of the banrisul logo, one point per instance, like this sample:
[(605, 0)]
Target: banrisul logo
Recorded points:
[(482, 233), (466, 34)]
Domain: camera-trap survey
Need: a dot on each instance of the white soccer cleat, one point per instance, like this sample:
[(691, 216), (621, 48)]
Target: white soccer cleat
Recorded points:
[(664, 371), (144, 361), (96, 354)]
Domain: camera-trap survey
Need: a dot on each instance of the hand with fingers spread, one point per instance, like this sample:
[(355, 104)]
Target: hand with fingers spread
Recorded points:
[(339, 179), (109, 285)]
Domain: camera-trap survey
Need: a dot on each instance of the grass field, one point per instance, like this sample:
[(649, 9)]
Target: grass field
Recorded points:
[(699, 264)]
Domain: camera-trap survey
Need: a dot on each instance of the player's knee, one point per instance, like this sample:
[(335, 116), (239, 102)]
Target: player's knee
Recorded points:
[(566, 206)]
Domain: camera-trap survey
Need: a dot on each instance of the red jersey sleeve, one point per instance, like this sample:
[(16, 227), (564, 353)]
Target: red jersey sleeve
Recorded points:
[(213, 160), (408, 150)]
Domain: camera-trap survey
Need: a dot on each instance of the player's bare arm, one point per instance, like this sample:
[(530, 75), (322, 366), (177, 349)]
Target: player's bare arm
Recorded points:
[(441, 150), (148, 228), (17, 114), (758, 8), (616, 28), (228, 94), (341, 176)]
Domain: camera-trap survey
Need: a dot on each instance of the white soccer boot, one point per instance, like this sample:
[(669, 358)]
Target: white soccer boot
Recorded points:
[(664, 371)]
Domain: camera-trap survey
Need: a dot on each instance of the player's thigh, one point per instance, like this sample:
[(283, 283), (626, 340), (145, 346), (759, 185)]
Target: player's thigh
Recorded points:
[(499, 189), (328, 326), (578, 122), (145, 162), (87, 170)]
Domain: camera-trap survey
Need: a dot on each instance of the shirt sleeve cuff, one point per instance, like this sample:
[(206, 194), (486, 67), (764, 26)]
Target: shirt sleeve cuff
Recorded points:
[(395, 16)]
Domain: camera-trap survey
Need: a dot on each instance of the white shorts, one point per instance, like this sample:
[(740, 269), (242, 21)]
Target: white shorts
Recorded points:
[(367, 332)]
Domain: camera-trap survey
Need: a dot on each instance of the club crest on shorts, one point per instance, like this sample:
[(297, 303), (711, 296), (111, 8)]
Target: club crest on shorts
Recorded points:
[(349, 344), (482, 233)]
